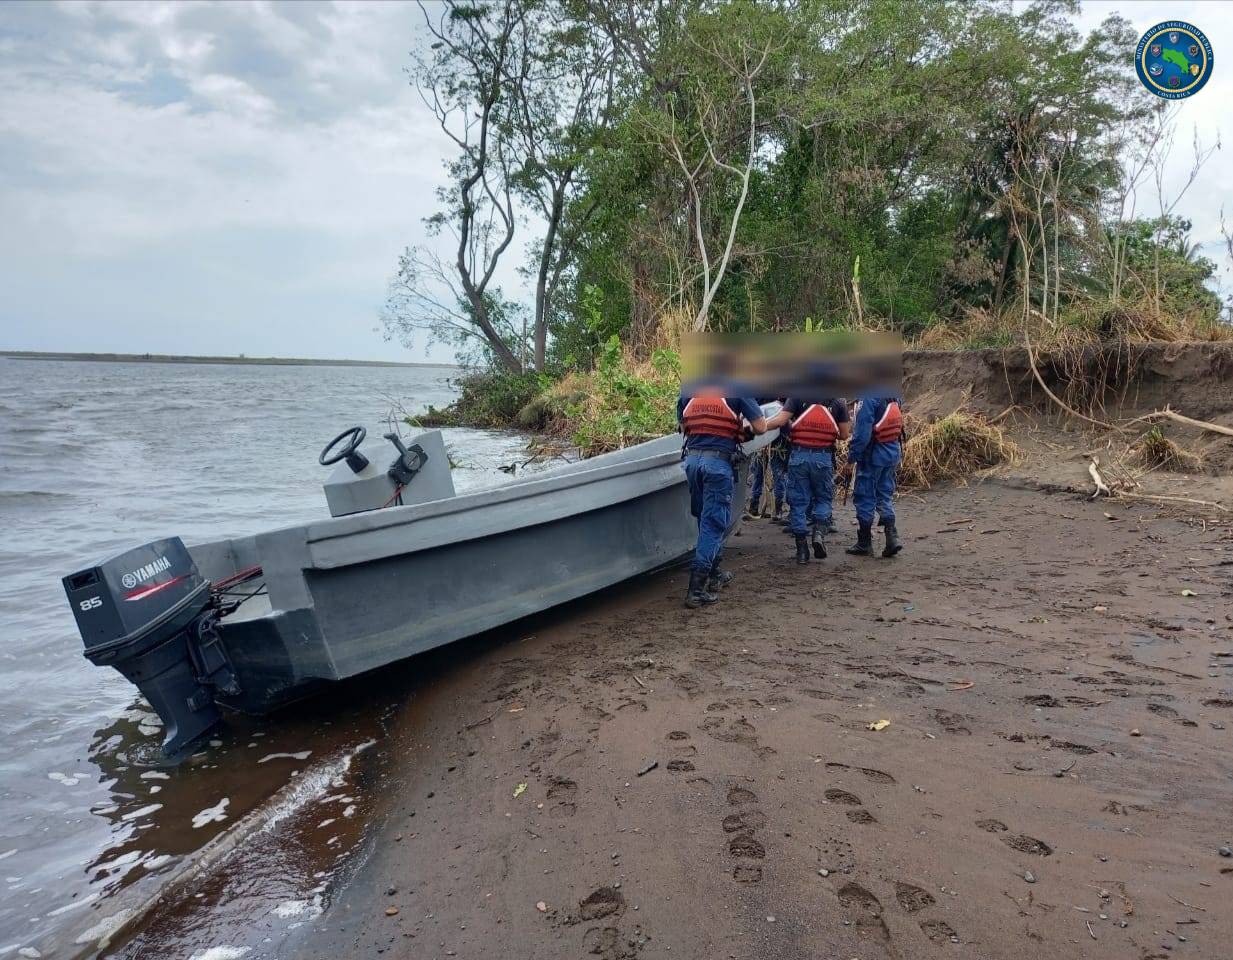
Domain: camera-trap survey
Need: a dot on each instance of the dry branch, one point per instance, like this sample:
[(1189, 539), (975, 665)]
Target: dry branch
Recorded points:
[(1093, 470), (1167, 499), (1168, 413)]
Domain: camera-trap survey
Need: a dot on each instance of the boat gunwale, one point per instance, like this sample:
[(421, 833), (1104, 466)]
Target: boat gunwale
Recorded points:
[(373, 520)]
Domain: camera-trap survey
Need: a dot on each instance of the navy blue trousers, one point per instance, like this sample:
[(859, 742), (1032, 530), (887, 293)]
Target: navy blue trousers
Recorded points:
[(711, 486)]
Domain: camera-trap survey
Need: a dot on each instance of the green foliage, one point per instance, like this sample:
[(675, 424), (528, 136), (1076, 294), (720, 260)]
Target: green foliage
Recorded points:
[(627, 403), (948, 169), (580, 333), (1162, 248), (488, 399)]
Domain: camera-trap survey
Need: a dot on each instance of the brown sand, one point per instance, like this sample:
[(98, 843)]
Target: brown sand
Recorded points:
[(775, 824)]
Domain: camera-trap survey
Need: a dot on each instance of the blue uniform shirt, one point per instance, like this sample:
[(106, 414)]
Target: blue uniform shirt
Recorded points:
[(746, 407), (864, 450)]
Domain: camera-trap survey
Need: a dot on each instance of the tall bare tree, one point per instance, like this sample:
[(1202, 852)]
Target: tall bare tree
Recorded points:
[(463, 75)]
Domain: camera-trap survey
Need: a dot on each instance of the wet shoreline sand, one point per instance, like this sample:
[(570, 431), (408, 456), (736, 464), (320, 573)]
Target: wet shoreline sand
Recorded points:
[(1070, 802)]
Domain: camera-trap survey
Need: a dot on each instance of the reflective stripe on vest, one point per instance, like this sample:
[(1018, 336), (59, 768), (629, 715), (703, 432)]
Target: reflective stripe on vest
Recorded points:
[(711, 417), (815, 427), (889, 427)]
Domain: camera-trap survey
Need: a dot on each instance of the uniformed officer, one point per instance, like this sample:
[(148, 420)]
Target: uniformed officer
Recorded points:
[(713, 427), (875, 453), (815, 426)]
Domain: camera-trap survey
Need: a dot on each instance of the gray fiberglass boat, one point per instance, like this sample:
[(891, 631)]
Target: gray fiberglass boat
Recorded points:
[(402, 565)]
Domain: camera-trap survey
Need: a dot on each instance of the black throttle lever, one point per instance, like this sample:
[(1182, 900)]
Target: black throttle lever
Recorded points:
[(410, 461)]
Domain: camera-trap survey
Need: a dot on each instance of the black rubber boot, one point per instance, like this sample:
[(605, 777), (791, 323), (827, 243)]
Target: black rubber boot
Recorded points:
[(864, 541), (778, 517), (698, 595), (802, 548), (819, 548), (893, 546)]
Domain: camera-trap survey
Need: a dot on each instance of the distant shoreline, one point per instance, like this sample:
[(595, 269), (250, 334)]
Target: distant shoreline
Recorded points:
[(172, 358)]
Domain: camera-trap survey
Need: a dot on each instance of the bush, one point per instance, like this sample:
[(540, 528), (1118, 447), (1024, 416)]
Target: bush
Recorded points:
[(627, 400), (488, 399)]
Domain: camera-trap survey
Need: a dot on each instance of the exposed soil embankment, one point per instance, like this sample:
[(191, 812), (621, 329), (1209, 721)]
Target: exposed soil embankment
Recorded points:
[(1118, 380), (1114, 384)]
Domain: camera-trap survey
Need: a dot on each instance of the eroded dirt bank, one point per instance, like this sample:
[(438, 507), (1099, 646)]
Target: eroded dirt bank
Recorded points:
[(775, 824)]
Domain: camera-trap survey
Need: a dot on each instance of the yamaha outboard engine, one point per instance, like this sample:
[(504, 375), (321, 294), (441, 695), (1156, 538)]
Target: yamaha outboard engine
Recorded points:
[(151, 615)]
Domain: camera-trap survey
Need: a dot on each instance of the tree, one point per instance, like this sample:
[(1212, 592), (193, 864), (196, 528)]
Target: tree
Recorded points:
[(463, 76), (562, 96)]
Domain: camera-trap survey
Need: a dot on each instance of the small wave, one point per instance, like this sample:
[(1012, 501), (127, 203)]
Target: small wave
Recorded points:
[(35, 497)]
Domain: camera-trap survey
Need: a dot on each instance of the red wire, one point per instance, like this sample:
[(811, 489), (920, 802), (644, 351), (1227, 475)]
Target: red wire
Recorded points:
[(397, 493), (246, 574)]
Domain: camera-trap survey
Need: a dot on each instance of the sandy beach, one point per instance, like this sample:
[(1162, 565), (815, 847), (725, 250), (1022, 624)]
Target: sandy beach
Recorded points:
[(633, 779)]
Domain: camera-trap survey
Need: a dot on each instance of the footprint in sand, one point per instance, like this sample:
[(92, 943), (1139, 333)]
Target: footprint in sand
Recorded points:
[(603, 942), (869, 773), (992, 826), (1069, 747), (913, 898), (678, 735), (565, 793), (680, 766), (746, 874), (939, 931), (602, 902), (1026, 844), (744, 845), (739, 795), (952, 722), (842, 796), (747, 820), (867, 908), (861, 816), (743, 824), (837, 856)]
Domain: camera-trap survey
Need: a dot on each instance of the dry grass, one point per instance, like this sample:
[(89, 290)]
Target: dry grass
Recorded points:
[(1155, 451), (1084, 324), (953, 448)]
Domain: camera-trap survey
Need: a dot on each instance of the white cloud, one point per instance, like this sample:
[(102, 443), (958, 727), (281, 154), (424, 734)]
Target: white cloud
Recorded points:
[(191, 177), (133, 131)]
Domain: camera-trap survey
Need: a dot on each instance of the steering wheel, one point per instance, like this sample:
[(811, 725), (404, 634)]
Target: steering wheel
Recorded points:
[(355, 460)]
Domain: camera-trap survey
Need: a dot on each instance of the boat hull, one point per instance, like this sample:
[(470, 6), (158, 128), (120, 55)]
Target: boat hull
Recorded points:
[(352, 594)]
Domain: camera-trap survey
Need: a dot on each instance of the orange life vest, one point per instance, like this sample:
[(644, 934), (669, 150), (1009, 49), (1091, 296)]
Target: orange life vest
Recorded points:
[(889, 428), (710, 416), (815, 427)]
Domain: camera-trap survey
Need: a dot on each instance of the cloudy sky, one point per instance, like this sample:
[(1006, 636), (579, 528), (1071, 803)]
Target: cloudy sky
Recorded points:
[(239, 178)]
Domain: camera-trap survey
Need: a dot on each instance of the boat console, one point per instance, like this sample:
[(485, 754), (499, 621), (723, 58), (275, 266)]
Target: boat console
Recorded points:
[(420, 473)]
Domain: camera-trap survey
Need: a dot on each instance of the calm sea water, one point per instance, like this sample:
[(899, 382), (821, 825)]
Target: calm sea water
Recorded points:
[(96, 457)]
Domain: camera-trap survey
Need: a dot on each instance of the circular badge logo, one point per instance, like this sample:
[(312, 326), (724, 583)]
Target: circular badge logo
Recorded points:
[(1174, 59), (129, 581)]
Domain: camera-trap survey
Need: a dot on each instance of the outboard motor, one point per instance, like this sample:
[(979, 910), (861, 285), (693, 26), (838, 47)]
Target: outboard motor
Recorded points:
[(151, 615)]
